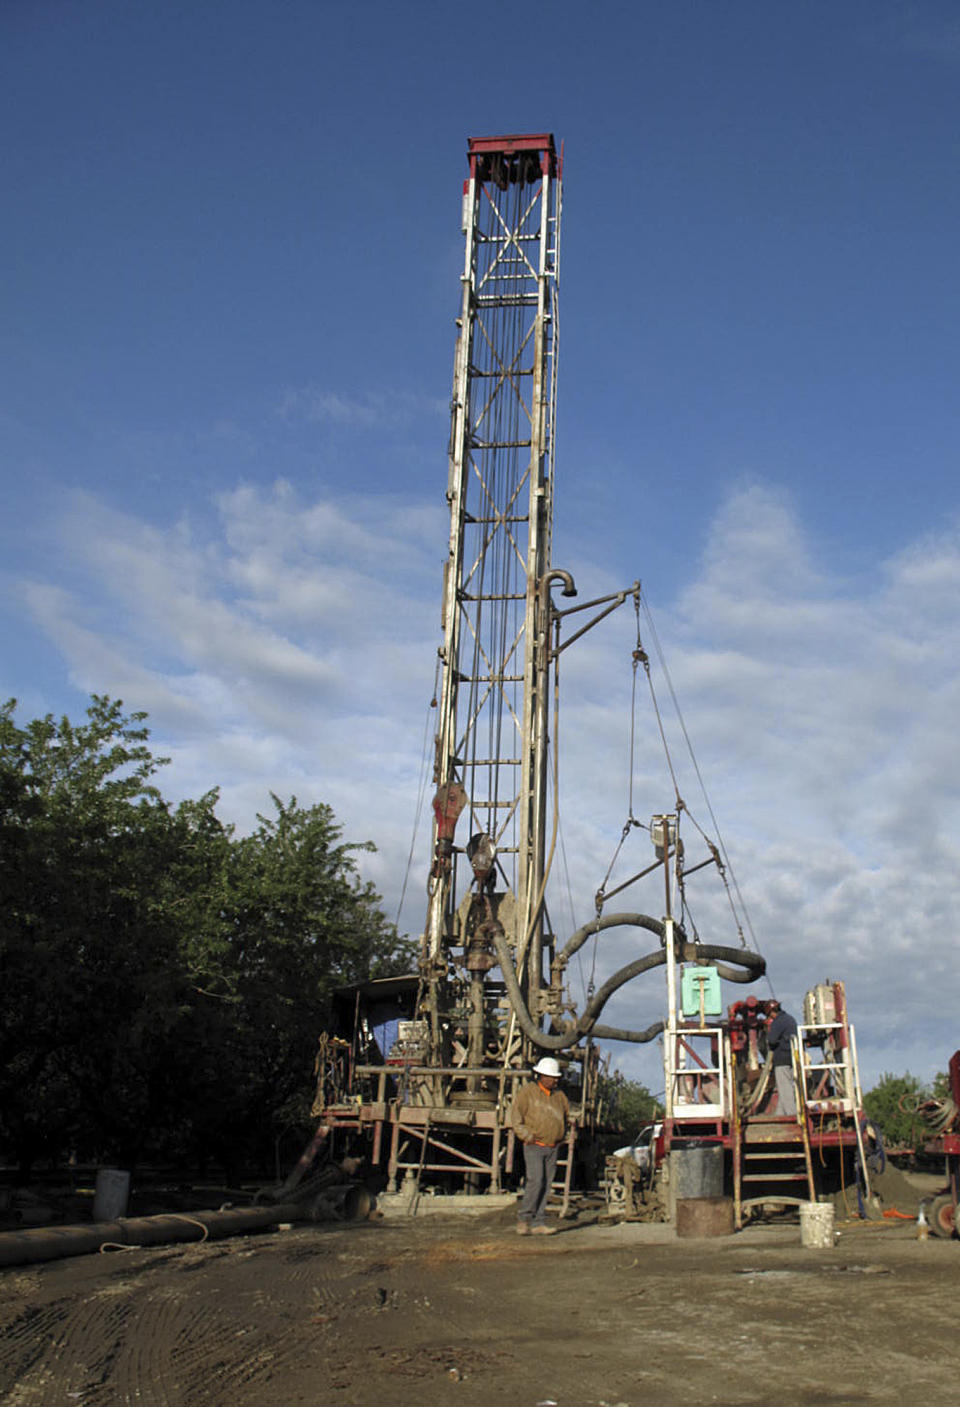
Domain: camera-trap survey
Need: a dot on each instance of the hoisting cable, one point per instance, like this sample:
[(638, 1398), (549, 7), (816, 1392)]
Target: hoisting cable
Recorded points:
[(696, 767), (421, 792), (645, 661), (631, 821), (601, 895), (640, 657), (717, 860), (570, 905)]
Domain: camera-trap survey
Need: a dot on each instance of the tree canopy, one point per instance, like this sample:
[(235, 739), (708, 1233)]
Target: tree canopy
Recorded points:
[(630, 1103), (893, 1103), (164, 979)]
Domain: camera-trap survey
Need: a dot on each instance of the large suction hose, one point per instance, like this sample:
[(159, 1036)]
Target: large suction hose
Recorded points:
[(747, 967)]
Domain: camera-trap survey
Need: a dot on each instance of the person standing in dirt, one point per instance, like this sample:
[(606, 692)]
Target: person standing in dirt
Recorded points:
[(539, 1117), (780, 1032)]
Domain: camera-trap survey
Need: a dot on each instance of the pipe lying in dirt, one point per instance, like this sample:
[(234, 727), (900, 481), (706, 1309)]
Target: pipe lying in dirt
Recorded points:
[(56, 1243)]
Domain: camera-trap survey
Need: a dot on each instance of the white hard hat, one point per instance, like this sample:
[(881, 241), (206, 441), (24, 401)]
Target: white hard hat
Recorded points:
[(546, 1065)]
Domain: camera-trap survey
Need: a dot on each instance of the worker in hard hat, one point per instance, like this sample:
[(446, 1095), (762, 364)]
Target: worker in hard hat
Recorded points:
[(539, 1117)]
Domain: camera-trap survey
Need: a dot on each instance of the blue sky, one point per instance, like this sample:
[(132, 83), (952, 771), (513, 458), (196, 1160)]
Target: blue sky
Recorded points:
[(231, 252)]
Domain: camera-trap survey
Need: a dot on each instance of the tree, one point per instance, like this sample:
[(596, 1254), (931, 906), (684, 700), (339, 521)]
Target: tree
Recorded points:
[(164, 980), (630, 1103), (85, 949), (892, 1104), (286, 921), (941, 1085)]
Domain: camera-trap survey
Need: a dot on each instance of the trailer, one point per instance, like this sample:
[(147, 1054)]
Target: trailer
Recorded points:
[(942, 1116), (725, 1133)]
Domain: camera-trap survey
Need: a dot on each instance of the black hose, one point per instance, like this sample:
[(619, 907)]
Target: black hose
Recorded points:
[(619, 1033), (749, 966), (597, 925)]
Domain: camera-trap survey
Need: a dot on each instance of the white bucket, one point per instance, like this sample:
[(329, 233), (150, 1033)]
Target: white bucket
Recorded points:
[(816, 1224), (111, 1194)]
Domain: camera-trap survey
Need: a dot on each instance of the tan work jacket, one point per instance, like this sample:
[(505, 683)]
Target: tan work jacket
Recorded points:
[(539, 1117)]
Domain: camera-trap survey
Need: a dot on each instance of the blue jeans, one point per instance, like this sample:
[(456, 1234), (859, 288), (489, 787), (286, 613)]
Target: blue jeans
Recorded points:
[(539, 1164)]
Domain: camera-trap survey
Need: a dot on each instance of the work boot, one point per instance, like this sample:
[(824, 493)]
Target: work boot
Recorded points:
[(523, 1228), (544, 1230)]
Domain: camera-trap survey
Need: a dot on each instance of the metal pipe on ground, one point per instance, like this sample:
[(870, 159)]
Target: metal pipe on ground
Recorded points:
[(56, 1243)]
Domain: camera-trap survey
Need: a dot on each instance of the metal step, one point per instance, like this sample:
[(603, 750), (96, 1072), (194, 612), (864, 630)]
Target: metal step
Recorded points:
[(774, 1177), (774, 1157), (772, 1135)]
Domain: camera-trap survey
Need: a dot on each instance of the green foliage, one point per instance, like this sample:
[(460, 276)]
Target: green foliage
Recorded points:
[(283, 922), (941, 1085), (85, 947), (892, 1104), (164, 981), (629, 1103)]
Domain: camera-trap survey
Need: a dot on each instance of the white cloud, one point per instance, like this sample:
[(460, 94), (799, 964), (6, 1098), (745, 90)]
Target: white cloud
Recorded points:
[(368, 410), (291, 647), (287, 647), (823, 716)]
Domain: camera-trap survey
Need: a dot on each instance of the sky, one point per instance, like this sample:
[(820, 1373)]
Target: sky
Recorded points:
[(231, 253)]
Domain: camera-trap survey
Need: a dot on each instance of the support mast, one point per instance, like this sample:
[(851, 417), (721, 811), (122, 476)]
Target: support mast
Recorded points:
[(491, 739), (489, 997)]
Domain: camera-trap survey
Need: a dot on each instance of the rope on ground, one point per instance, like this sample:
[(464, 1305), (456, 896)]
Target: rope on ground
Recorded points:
[(174, 1216), (192, 1221)]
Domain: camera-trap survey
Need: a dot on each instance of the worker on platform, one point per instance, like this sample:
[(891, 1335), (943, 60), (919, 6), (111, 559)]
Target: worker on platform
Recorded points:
[(780, 1033), (539, 1117)]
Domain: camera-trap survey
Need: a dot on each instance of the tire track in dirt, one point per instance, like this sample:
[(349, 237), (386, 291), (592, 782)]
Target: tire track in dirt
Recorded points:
[(189, 1350), (62, 1347), (135, 1342), (239, 1374), (25, 1345), (141, 1366)]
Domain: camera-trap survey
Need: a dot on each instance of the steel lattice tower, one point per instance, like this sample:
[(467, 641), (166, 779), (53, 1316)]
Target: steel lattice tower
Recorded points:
[(491, 737), (490, 995)]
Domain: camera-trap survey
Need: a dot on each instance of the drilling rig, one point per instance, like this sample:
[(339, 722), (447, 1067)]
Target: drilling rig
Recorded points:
[(490, 994)]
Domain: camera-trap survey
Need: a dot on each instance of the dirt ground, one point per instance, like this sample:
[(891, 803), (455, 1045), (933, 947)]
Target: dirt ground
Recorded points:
[(462, 1311)]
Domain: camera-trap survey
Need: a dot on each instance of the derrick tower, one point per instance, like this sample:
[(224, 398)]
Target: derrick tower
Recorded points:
[(491, 740), (489, 996)]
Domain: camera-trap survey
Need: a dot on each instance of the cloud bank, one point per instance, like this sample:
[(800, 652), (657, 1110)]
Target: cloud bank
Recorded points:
[(289, 645)]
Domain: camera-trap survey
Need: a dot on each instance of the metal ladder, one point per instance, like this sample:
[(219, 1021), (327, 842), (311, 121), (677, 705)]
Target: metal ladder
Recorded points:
[(560, 1186), (773, 1153)]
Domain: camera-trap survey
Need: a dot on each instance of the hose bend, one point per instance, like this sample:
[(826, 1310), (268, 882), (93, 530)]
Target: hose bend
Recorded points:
[(619, 1033), (597, 925), (735, 964), (525, 1021)]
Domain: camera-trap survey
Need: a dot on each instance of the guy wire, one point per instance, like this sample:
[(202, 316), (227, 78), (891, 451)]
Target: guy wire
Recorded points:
[(696, 768)]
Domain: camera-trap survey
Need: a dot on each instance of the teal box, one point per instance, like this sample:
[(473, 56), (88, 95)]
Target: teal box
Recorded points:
[(695, 978)]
